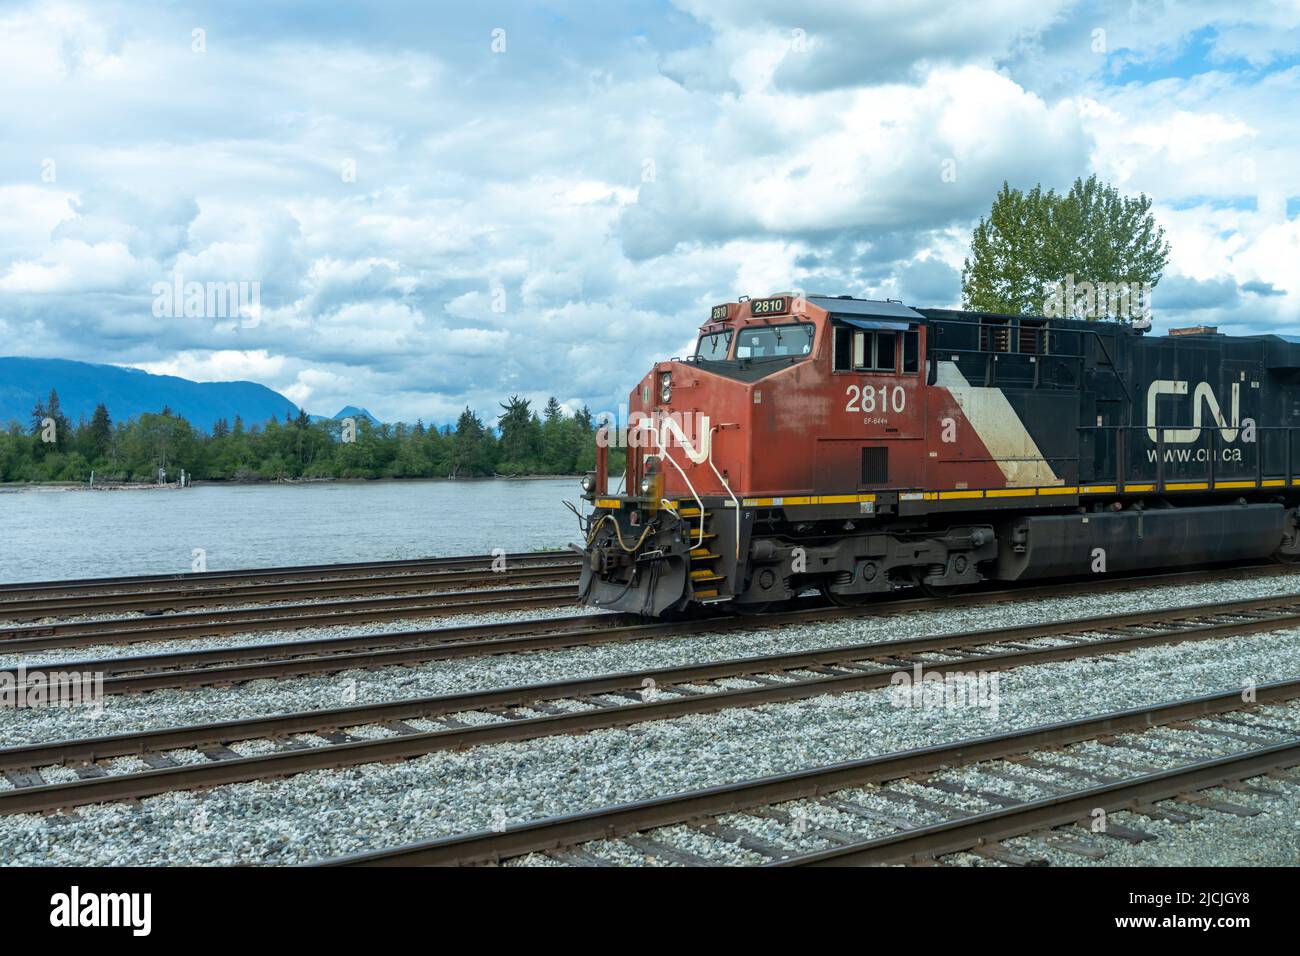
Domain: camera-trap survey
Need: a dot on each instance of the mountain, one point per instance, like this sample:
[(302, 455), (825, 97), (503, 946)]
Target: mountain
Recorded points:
[(348, 411), (351, 411), (128, 392)]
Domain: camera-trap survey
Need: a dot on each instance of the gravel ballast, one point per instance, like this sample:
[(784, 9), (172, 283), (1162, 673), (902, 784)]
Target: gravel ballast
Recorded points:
[(327, 813), (166, 708)]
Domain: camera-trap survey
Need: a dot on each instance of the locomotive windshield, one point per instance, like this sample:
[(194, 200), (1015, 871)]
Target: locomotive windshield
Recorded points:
[(713, 346), (775, 341)]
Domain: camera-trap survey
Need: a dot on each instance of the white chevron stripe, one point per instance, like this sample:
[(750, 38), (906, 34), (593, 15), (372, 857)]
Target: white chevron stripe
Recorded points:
[(999, 428)]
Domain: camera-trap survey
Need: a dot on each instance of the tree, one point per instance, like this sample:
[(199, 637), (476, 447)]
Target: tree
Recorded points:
[(518, 443), (468, 447), (1032, 244), (100, 433), (50, 411), (136, 448)]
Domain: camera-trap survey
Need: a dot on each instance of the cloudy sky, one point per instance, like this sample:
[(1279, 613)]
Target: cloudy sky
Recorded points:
[(446, 203)]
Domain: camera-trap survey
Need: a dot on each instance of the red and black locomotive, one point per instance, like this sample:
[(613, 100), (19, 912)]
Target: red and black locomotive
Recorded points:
[(855, 446)]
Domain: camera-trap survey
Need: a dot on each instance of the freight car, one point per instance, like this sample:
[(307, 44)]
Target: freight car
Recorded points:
[(855, 446)]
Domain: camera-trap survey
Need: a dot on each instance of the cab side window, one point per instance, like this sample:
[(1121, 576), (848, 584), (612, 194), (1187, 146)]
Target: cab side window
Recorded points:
[(911, 350), (861, 350)]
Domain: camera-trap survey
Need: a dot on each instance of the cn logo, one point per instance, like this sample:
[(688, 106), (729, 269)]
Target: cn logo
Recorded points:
[(1202, 397)]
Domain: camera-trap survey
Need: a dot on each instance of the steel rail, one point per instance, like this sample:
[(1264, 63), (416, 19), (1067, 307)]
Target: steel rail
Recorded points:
[(490, 846), (252, 593), (294, 616), (134, 630), (141, 673), (283, 618), (952, 836), (285, 572), (281, 763)]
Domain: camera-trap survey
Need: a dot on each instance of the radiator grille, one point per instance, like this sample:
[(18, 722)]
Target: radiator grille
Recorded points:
[(875, 466)]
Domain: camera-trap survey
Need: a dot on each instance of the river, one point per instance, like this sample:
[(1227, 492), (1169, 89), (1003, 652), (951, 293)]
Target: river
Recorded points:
[(48, 533)]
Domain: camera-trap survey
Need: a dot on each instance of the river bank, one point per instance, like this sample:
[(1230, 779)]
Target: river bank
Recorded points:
[(268, 482)]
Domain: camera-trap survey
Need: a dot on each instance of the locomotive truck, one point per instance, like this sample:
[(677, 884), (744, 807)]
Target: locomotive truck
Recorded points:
[(855, 446)]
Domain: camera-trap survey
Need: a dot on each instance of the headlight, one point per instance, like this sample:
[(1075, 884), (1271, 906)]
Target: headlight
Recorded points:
[(588, 483), (666, 387), (647, 486)]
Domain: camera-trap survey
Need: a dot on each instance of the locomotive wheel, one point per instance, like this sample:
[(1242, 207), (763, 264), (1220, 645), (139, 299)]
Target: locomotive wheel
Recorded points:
[(1285, 558), (934, 590), (846, 600), (749, 610)]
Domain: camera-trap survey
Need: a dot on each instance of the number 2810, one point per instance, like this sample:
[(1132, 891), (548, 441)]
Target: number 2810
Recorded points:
[(864, 399)]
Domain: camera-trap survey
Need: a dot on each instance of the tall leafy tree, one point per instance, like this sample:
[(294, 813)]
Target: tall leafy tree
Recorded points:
[(1033, 240)]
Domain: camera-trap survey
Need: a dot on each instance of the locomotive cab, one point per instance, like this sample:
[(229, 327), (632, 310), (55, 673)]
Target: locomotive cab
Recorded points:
[(787, 403)]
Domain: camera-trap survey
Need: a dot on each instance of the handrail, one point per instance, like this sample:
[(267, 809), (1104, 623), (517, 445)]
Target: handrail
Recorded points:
[(669, 458), (1126, 473), (722, 481)]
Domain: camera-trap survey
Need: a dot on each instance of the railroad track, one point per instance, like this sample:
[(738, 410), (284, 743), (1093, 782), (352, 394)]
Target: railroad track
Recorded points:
[(262, 593), (49, 636), (41, 637), (30, 590), (867, 811), (232, 665), (576, 706)]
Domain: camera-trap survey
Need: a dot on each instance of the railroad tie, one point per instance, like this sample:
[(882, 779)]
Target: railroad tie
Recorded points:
[(1002, 774), (742, 839), (1219, 806), (997, 799), (829, 834), (657, 849), (25, 778), (219, 752), (1068, 771), (1255, 725), (577, 856), (401, 728), (1231, 735), (1118, 831), (1153, 812), (948, 811), (1243, 786), (999, 853), (867, 813), (1060, 841)]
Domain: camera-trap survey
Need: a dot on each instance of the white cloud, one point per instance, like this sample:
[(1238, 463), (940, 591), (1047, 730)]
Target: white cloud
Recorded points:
[(551, 220)]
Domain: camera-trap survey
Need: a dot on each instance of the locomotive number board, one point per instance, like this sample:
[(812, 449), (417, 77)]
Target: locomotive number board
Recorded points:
[(719, 313), (778, 305)]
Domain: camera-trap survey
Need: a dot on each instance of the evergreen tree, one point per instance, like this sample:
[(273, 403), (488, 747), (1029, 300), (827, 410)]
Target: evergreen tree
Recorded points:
[(468, 452), (100, 432), (516, 425)]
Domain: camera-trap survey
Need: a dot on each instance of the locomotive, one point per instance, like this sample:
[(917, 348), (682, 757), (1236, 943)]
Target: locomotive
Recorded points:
[(855, 446)]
